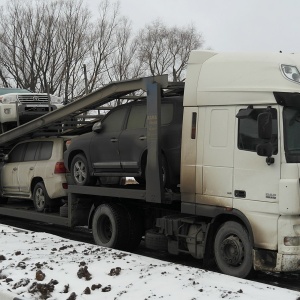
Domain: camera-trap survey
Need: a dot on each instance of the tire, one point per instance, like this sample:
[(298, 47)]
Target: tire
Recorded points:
[(40, 197), (80, 171), (165, 174), (156, 241), (233, 250), (110, 226)]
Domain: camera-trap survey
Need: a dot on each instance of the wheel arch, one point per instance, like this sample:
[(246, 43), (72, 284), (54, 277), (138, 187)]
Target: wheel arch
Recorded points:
[(72, 155), (34, 181), (217, 222)]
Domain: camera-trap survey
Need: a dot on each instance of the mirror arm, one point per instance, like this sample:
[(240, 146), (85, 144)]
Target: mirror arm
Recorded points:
[(270, 160)]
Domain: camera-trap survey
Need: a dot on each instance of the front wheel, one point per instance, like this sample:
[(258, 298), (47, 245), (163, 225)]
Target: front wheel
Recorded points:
[(41, 200), (233, 250), (80, 171)]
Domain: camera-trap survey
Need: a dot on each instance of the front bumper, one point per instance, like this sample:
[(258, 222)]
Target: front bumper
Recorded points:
[(266, 260)]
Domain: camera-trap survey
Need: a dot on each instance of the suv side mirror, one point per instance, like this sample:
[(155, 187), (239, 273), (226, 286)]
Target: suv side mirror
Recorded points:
[(264, 121), (97, 127)]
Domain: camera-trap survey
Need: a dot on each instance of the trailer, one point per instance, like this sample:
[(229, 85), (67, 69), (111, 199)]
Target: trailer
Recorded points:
[(238, 203)]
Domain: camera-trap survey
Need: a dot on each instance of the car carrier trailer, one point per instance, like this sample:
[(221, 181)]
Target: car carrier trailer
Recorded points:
[(239, 200)]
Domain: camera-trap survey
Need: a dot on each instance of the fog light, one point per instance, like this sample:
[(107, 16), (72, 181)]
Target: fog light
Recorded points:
[(292, 241), (7, 111)]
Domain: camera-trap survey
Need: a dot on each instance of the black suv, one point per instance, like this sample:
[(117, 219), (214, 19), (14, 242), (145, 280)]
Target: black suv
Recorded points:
[(117, 146)]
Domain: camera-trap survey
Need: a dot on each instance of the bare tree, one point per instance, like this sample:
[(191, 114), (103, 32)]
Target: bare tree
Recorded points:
[(165, 50)]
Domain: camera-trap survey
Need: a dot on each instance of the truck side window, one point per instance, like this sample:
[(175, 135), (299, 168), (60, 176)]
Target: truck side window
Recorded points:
[(248, 132)]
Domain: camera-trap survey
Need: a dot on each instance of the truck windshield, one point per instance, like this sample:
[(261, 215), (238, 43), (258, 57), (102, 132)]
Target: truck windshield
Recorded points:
[(291, 121)]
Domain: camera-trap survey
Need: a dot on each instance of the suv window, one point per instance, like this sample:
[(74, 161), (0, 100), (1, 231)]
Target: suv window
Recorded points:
[(114, 121), (137, 116), (45, 150), (31, 151), (16, 154)]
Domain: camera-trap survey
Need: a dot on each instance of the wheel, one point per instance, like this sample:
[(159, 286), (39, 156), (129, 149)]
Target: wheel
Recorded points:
[(110, 226), (80, 171), (164, 171), (41, 200), (233, 250)]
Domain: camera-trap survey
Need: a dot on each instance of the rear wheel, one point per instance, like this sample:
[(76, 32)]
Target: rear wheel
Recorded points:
[(164, 173), (110, 226), (41, 200), (80, 171), (233, 250)]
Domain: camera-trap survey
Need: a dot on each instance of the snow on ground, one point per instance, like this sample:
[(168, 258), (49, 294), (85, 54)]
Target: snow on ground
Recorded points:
[(43, 266)]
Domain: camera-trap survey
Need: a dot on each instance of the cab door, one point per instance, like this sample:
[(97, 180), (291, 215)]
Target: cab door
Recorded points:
[(9, 172), (254, 179)]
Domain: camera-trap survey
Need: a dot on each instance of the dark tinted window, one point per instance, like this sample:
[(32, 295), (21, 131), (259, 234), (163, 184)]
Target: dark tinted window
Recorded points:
[(31, 151), (115, 120), (16, 155), (137, 117), (248, 132), (45, 150)]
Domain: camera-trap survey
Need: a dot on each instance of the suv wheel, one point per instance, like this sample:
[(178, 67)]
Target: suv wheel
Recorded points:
[(41, 200), (80, 171)]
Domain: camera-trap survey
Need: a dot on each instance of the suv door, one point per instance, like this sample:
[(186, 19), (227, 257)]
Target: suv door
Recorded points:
[(104, 151), (9, 173), (133, 139)]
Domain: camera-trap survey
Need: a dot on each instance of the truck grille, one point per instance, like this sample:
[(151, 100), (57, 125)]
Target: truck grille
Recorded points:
[(34, 98)]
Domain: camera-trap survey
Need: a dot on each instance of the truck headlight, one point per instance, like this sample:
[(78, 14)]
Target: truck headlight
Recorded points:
[(292, 241), (291, 73)]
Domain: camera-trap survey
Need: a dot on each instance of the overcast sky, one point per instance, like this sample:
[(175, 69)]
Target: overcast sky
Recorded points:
[(226, 25)]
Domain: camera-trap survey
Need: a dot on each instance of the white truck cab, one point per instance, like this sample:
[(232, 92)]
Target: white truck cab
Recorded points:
[(241, 152)]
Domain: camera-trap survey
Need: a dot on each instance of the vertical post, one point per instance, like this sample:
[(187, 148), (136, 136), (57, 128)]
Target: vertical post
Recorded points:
[(85, 79), (154, 189)]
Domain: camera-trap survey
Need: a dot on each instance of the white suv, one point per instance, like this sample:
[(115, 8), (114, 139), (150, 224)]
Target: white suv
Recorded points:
[(35, 170)]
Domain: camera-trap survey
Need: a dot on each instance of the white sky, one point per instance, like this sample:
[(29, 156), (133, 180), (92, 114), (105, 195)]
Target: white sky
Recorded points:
[(139, 278), (226, 25)]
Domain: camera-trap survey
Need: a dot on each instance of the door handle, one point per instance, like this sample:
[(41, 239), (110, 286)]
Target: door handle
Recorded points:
[(31, 168), (15, 169), (142, 138), (240, 194), (113, 140)]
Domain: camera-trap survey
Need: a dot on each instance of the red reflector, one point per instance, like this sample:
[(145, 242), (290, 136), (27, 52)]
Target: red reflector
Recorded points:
[(60, 168), (65, 186)]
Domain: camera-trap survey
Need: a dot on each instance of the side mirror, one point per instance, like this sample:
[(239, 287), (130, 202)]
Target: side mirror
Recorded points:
[(264, 149), (97, 127), (264, 121), (267, 151)]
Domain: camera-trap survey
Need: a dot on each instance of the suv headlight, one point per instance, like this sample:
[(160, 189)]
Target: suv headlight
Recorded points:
[(7, 99), (56, 100)]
